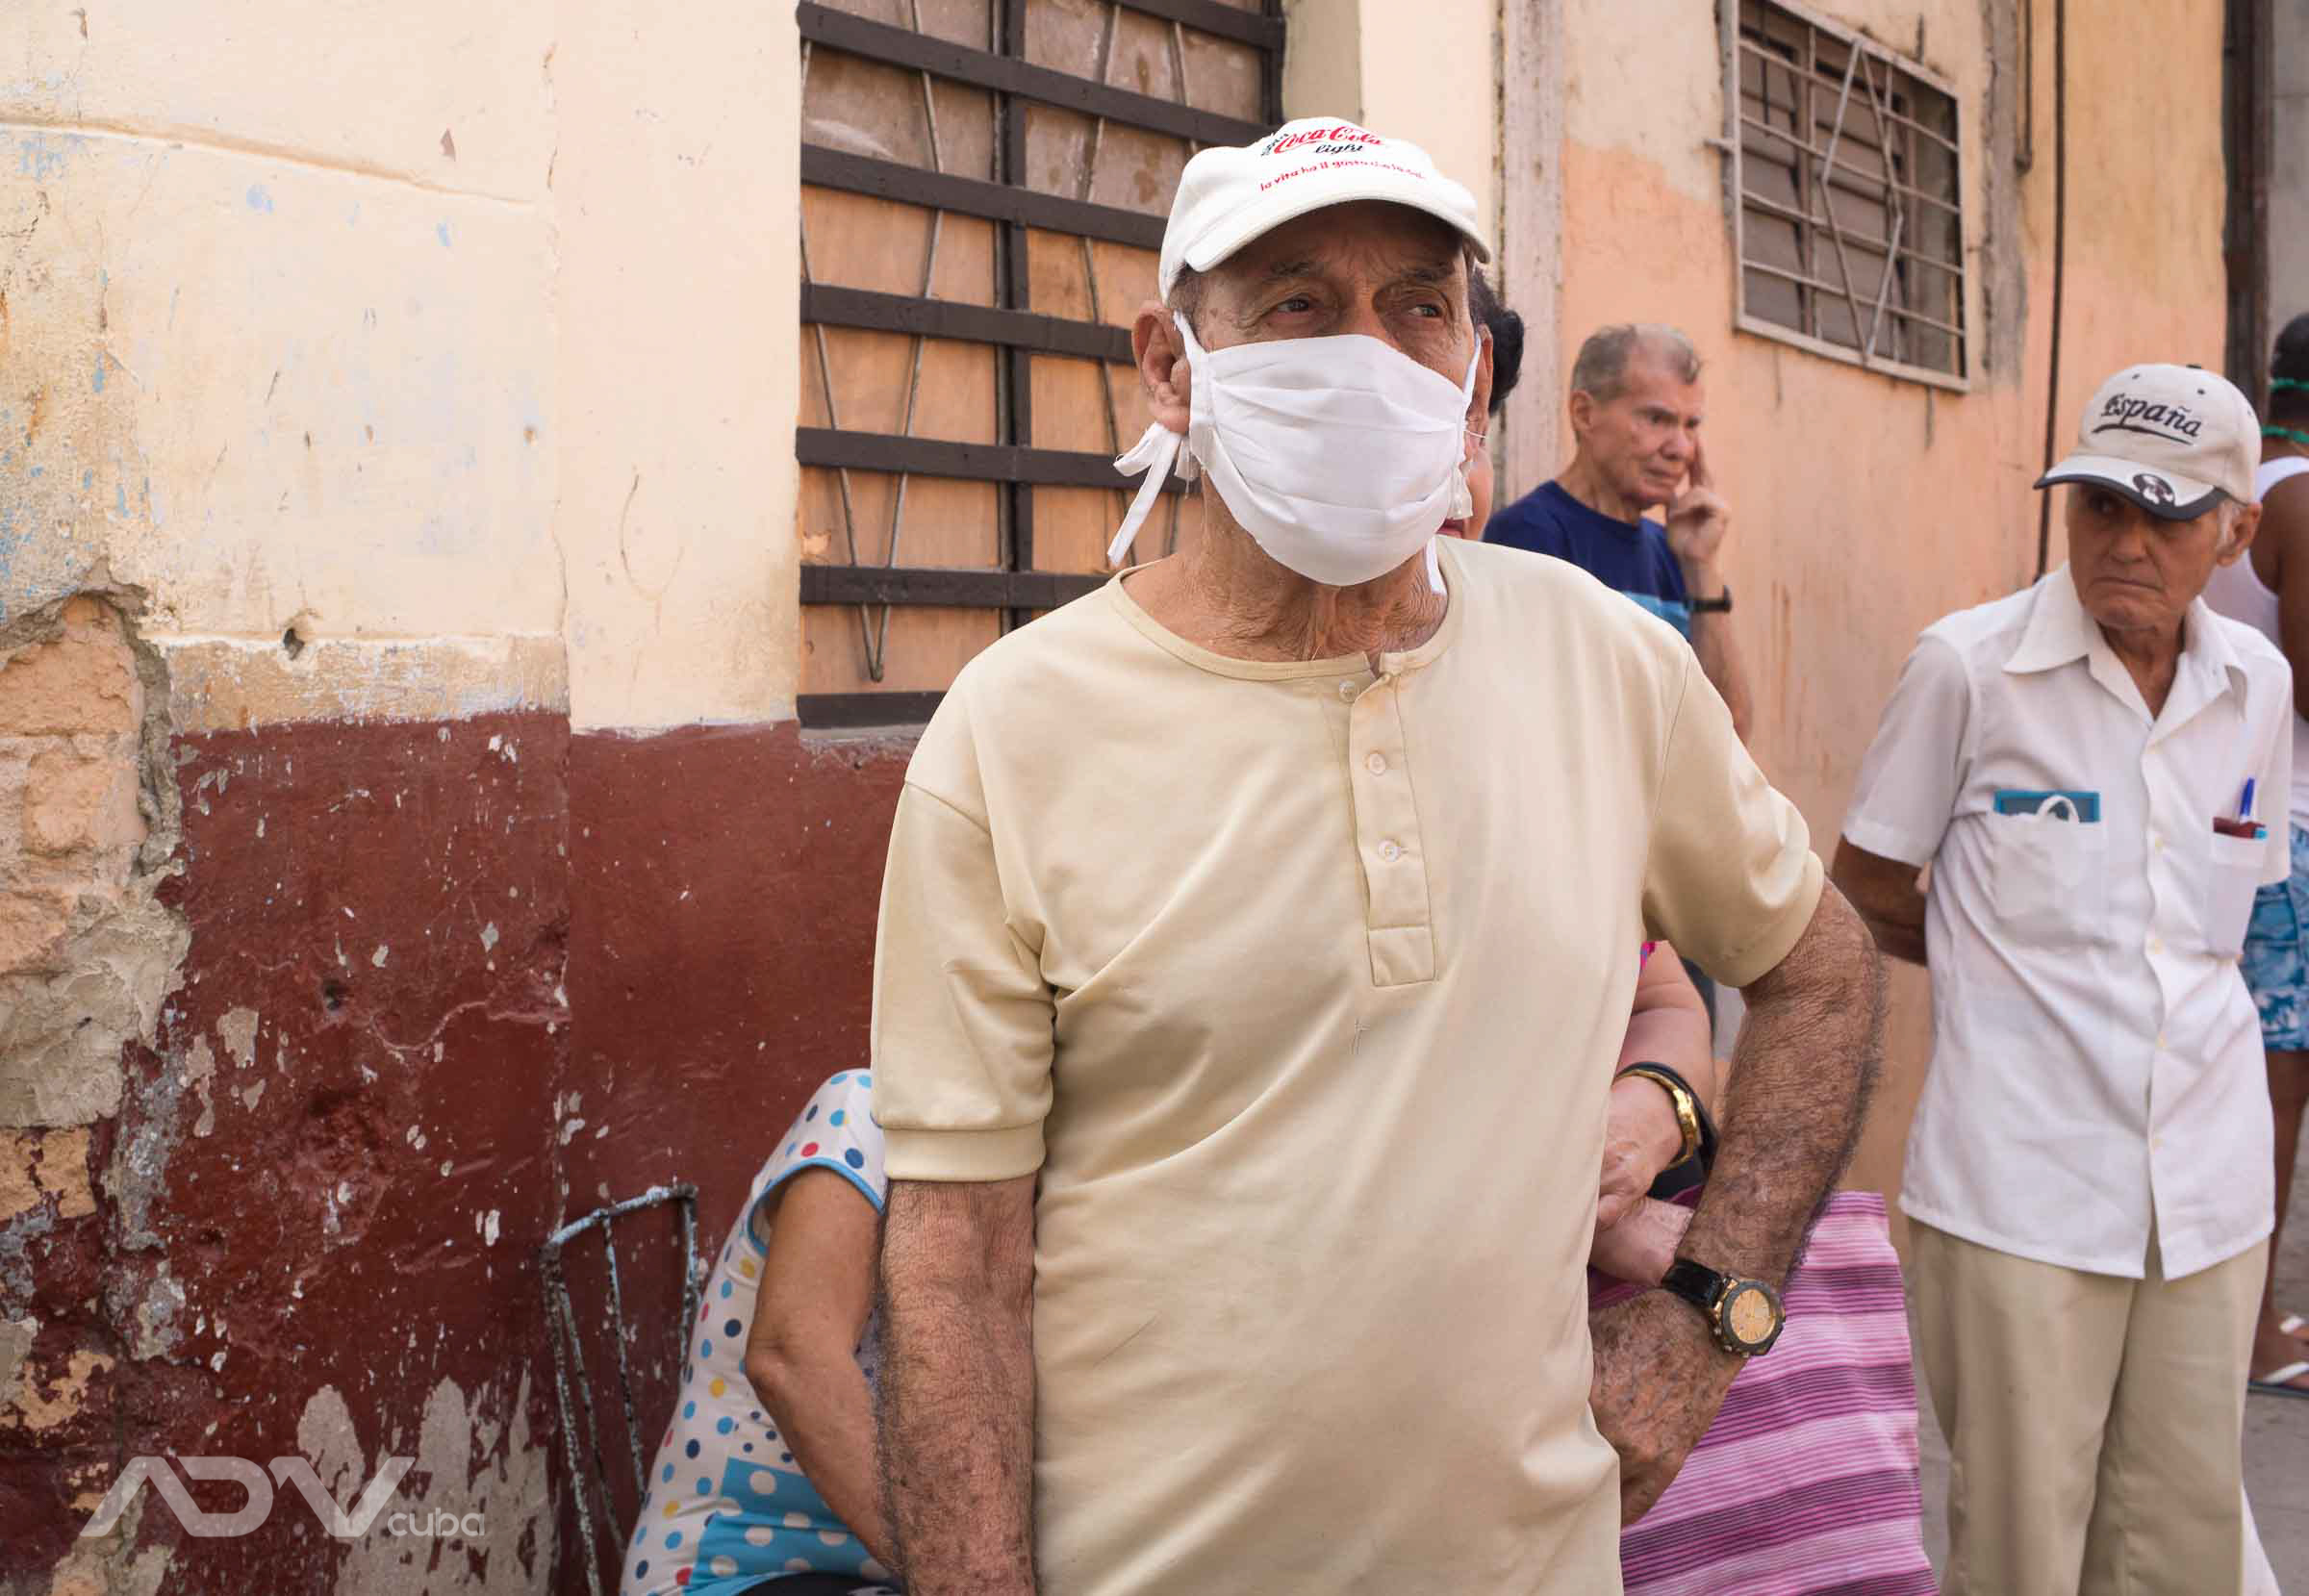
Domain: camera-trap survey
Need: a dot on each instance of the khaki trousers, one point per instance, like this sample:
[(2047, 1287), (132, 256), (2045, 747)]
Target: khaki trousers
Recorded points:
[(2094, 1424)]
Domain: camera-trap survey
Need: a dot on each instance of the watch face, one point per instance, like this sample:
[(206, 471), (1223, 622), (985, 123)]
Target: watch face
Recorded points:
[(1750, 1317)]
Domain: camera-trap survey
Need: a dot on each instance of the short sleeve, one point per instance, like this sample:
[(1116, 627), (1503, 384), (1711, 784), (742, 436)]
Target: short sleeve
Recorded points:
[(1913, 770), (2274, 802), (1731, 878), (835, 1130), (962, 1015)]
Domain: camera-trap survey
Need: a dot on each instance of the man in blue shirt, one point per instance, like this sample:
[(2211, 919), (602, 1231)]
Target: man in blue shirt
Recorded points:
[(1635, 408)]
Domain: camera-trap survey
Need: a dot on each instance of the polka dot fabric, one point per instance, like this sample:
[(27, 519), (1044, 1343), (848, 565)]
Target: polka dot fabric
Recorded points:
[(727, 1508)]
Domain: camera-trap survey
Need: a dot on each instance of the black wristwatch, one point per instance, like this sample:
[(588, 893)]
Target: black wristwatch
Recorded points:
[(1745, 1315), (1713, 606)]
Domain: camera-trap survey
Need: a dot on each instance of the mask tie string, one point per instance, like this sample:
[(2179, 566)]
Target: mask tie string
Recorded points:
[(1156, 453)]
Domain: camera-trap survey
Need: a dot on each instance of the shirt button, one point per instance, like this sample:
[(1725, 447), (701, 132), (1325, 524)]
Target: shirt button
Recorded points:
[(1391, 850), (2160, 1039), (1377, 764), (1347, 690), (2156, 945), (2156, 1144), (2158, 843)]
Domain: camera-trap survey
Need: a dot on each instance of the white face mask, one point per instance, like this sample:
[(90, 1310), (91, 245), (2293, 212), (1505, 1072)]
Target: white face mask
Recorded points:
[(1341, 455)]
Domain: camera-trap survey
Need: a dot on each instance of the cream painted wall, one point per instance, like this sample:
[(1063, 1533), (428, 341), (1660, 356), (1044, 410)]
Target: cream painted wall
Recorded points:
[(1410, 68), (678, 214), (458, 339), (1865, 507)]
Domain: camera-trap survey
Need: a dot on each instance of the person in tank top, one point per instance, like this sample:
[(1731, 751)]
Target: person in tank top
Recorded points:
[(2268, 591)]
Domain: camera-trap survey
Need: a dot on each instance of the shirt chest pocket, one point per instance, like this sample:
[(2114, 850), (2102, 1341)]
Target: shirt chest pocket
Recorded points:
[(2049, 878), (2231, 878)]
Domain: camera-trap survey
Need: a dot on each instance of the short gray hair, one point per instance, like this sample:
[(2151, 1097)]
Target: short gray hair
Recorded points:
[(1602, 369)]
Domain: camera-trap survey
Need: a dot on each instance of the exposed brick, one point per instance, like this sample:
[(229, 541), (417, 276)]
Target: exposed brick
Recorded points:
[(63, 1171), (19, 1190), (74, 802), (34, 924), (84, 681)]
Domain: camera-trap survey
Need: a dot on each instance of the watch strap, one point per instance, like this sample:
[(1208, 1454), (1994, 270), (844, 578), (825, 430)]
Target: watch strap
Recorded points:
[(1696, 1282), (1718, 605)]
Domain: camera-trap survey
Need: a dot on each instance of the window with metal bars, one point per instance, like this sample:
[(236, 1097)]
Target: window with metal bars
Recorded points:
[(1849, 207), (984, 184)]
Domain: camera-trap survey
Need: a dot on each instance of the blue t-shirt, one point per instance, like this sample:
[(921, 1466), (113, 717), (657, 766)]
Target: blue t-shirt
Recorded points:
[(1635, 560)]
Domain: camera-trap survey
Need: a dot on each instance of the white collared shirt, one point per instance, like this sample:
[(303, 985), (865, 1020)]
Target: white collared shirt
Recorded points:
[(2095, 1051)]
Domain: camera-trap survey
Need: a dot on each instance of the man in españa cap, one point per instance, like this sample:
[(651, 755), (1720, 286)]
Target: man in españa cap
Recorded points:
[(2097, 770), (1244, 1053)]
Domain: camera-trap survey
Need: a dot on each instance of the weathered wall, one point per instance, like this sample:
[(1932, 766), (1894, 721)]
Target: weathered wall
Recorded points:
[(1865, 507), (1407, 68), (386, 391), (2289, 176)]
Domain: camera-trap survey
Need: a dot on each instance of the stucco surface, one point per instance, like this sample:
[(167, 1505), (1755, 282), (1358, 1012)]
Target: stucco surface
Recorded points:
[(411, 326)]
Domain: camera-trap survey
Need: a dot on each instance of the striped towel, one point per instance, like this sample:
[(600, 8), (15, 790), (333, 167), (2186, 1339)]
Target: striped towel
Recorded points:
[(1805, 1484)]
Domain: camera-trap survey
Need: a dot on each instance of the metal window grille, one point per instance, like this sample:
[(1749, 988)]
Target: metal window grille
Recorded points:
[(1847, 194), (984, 184)]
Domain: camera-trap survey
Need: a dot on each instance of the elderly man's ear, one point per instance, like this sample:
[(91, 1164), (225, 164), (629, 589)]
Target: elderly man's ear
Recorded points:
[(1162, 365), (2241, 536), (1478, 402)]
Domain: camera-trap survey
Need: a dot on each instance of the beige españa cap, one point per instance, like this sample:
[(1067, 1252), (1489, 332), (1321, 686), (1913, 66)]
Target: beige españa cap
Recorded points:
[(1231, 195), (2172, 439)]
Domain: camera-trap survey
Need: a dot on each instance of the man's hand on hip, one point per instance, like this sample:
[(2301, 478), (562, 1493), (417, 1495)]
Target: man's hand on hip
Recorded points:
[(1641, 1138), (1660, 1378)]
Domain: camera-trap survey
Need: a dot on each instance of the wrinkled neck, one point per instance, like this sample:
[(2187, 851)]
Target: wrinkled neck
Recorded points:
[(1586, 483), (1225, 593)]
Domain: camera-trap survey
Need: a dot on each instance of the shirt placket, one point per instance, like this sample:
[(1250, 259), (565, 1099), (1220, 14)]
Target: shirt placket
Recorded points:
[(1398, 919), (2165, 867)]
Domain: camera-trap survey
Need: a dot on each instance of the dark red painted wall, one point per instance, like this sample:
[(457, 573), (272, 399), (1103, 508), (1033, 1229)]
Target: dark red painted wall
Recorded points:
[(702, 899)]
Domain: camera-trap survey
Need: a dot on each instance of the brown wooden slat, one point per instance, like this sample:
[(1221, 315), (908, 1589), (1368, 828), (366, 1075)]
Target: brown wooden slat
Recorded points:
[(1259, 32), (860, 174), (880, 451), (1006, 75), (898, 312), (848, 711), (941, 588)]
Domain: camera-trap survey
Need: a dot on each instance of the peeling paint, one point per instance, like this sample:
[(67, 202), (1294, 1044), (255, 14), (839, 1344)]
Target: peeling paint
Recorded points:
[(43, 1404), (239, 1029), (470, 1461)]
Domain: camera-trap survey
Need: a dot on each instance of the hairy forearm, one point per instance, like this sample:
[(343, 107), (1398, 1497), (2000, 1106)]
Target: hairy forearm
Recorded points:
[(1717, 646), (957, 1397), (1799, 1086)]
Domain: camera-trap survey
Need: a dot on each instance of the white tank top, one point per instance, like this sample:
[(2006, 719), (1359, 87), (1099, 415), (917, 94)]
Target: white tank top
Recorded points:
[(2237, 592)]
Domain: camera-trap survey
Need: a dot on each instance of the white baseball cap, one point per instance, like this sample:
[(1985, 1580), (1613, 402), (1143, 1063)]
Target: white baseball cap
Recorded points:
[(2172, 439), (1231, 195)]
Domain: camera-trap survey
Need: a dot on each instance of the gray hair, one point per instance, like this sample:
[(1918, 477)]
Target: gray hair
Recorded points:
[(1601, 372)]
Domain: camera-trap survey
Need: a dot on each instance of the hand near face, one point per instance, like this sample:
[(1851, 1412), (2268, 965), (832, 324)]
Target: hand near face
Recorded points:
[(1697, 517)]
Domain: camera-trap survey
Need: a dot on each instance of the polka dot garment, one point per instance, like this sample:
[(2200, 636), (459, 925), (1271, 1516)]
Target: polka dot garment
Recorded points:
[(727, 1508)]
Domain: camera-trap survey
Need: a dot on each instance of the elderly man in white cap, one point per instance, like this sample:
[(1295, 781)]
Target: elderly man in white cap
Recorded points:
[(1257, 934), (2097, 770)]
